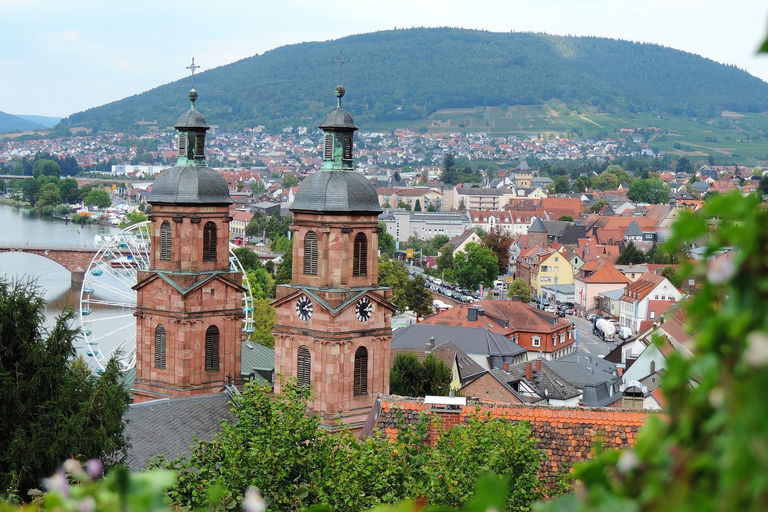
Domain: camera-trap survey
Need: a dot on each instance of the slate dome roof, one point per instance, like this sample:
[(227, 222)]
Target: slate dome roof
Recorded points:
[(190, 185), (338, 118), (191, 119), (336, 191)]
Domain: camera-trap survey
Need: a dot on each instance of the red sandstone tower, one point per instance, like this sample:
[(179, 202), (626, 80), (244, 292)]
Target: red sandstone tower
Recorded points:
[(189, 303), (333, 322)]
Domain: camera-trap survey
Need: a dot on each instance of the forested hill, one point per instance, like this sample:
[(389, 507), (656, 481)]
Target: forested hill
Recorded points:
[(11, 123), (409, 74)]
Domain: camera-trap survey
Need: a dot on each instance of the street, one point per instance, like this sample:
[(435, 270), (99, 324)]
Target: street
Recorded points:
[(588, 342)]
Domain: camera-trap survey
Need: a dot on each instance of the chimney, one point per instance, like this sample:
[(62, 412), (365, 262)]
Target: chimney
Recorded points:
[(653, 367), (505, 366), (428, 349), (538, 365), (472, 314), (432, 341), (528, 371)]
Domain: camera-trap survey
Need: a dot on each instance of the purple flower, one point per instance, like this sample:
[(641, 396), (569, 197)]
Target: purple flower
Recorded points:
[(94, 468)]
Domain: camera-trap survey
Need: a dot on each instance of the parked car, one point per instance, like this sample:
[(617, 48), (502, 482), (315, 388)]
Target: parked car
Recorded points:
[(625, 333), (591, 316), (550, 309)]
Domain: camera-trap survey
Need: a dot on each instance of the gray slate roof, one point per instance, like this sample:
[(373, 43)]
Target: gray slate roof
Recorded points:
[(191, 119), (259, 361), (167, 427), (556, 228), (580, 370), (188, 184), (336, 191), (470, 340), (545, 379), (633, 229), (338, 118), (537, 227)]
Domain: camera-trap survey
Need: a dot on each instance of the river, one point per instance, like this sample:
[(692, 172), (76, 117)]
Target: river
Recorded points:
[(24, 227)]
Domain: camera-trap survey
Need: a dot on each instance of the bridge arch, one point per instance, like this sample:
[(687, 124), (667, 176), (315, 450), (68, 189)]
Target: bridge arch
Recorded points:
[(76, 260)]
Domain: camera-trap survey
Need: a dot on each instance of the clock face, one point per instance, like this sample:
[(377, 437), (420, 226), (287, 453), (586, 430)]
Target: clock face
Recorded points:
[(364, 309), (304, 308)]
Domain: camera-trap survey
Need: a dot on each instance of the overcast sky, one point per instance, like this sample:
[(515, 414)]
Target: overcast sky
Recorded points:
[(58, 57)]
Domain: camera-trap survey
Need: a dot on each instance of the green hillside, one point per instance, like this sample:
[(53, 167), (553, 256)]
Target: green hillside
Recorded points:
[(11, 123), (403, 76)]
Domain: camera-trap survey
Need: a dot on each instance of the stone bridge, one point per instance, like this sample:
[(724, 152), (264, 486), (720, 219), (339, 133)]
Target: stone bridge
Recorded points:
[(74, 259)]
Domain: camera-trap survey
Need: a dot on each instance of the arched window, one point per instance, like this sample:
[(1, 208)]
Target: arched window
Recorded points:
[(310, 253), (209, 242), (212, 348), (160, 347), (361, 255), (304, 367), (165, 240), (361, 371)]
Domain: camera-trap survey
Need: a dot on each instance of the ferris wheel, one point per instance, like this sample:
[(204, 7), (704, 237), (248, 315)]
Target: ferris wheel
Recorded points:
[(108, 300)]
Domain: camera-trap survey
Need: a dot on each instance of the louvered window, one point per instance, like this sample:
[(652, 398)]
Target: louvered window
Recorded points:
[(310, 253), (361, 255), (165, 241), (160, 347), (361, 371), (212, 348), (200, 144), (328, 150), (348, 147), (182, 144), (209, 242), (304, 367)]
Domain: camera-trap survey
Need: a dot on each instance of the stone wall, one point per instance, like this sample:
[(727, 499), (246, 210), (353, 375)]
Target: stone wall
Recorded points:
[(567, 435)]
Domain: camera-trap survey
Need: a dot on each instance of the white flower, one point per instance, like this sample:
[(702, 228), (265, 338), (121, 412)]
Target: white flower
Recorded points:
[(253, 501), (73, 467), (720, 270), (756, 354), (717, 398), (628, 461), (58, 482)]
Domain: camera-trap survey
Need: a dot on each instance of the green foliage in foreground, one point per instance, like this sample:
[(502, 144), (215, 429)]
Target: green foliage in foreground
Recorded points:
[(410, 377), (710, 451), (52, 406), (75, 488), (276, 447)]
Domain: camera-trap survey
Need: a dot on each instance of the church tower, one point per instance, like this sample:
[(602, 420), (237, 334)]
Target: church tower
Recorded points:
[(189, 303), (333, 326)]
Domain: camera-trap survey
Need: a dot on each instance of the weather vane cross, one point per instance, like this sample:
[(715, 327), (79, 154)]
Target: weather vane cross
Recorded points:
[(341, 60), (193, 68)]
